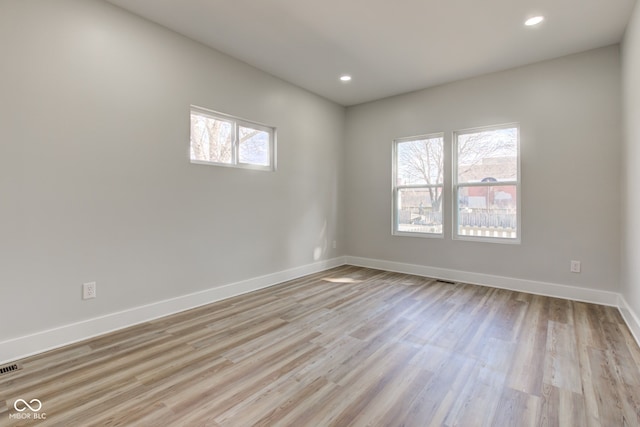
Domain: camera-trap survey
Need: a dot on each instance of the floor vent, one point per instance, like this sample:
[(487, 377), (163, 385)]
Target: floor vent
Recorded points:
[(448, 282), (7, 369)]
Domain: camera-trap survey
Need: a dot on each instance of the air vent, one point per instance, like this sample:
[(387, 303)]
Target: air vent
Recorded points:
[(7, 369), (448, 282)]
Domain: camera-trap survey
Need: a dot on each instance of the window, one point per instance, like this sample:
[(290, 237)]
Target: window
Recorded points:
[(417, 185), (486, 181), (220, 139)]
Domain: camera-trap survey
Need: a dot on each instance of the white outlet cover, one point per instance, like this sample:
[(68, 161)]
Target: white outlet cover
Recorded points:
[(89, 290), (575, 266)]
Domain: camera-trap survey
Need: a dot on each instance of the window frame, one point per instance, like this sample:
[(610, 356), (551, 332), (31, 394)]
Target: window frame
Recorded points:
[(395, 188), (455, 186), (235, 143)]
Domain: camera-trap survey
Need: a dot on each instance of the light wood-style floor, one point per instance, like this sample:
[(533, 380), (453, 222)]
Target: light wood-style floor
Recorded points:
[(349, 346)]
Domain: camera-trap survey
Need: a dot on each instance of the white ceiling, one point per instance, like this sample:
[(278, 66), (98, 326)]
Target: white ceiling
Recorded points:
[(389, 47)]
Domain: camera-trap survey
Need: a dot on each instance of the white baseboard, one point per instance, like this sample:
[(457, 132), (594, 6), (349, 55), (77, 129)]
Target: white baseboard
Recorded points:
[(632, 320), (21, 347), (529, 286)]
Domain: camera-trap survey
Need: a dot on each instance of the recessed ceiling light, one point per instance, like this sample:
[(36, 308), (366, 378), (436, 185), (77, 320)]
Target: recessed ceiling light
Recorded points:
[(534, 21), (345, 78)]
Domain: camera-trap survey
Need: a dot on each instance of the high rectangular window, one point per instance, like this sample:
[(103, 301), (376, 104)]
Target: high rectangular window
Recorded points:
[(486, 184), (418, 180), (224, 140)]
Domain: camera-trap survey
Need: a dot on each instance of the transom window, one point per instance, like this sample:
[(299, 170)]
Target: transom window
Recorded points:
[(223, 140), (486, 184), (418, 183)]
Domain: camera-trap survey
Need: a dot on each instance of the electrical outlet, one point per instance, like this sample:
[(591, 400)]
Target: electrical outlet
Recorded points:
[(89, 290), (575, 266), (334, 244)]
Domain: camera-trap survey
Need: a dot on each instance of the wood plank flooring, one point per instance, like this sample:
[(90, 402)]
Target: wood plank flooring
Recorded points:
[(349, 346)]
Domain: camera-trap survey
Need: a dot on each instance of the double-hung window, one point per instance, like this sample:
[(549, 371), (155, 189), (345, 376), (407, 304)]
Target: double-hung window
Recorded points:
[(418, 181), (486, 184), (220, 139)]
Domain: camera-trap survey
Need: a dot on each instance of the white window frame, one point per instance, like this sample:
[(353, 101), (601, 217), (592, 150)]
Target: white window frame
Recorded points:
[(455, 187), (235, 145), (396, 188)]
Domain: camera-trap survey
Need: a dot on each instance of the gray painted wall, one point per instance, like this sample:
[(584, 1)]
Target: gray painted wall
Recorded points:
[(569, 112), (631, 177), (95, 180)]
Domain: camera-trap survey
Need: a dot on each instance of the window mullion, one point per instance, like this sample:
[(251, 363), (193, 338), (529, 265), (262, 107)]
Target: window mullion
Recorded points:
[(235, 144), (418, 186), (486, 184)]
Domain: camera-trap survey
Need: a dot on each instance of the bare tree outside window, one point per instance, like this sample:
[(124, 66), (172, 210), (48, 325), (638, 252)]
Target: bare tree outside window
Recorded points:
[(488, 154), (211, 139), (419, 180), (485, 184), (225, 140), (421, 162)]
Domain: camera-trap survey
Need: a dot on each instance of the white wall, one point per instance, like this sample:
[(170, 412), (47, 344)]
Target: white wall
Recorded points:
[(569, 114), (631, 177), (95, 182)]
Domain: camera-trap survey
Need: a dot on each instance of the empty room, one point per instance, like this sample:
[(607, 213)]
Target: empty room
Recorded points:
[(292, 213)]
